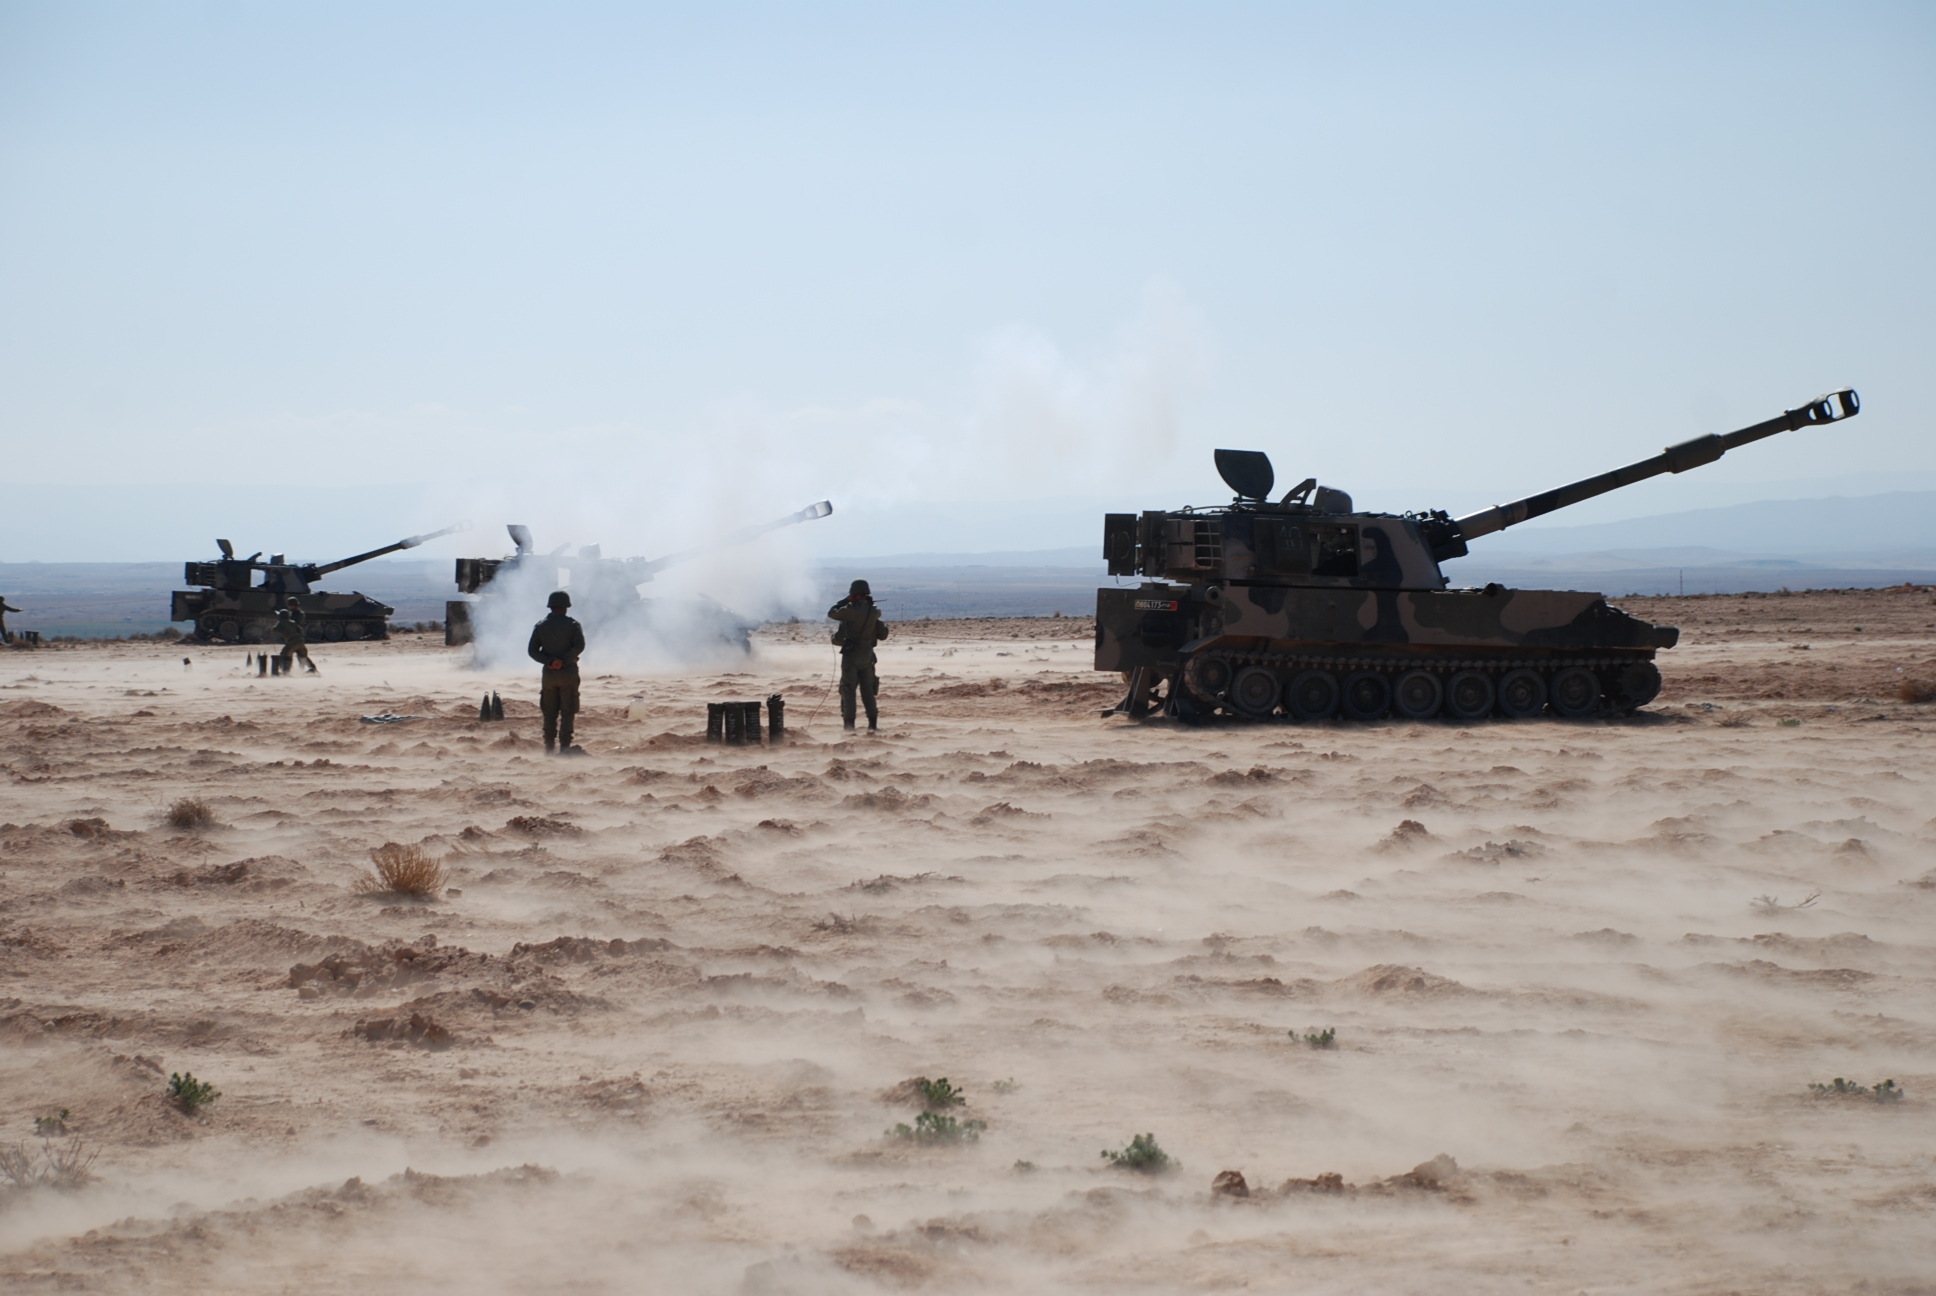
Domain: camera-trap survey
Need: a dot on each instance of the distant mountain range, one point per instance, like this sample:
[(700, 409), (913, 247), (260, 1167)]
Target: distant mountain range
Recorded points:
[(1834, 542), (1881, 530)]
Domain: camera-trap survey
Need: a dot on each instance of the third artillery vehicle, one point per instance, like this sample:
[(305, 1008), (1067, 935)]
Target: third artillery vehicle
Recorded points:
[(234, 606), (1306, 609), (605, 591)]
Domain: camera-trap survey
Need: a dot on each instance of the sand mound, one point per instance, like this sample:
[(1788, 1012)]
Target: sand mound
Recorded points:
[(1390, 980)]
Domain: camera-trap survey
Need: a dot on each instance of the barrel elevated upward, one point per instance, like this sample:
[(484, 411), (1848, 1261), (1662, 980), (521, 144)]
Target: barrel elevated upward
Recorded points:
[(1306, 607), (238, 598), (1830, 408), (312, 571)]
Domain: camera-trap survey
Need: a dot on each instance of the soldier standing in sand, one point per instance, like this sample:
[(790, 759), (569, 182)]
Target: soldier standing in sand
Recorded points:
[(6, 636), (291, 625), (860, 629), (556, 643)]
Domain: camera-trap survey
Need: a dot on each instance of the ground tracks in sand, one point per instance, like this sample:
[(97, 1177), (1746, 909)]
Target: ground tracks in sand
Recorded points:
[(667, 1003)]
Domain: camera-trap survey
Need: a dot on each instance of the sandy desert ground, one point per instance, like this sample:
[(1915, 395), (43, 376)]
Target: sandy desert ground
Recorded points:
[(654, 1035)]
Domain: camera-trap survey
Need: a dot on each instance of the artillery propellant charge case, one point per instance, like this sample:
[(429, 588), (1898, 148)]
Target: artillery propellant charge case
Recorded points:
[(736, 724)]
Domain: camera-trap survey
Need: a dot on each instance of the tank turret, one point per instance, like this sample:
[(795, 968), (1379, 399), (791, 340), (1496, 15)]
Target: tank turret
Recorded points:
[(1305, 608), (239, 597)]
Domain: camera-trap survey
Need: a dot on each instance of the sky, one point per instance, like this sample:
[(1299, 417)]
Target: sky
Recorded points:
[(635, 274)]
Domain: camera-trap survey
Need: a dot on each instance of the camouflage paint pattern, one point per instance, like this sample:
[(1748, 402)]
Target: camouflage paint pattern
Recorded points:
[(1293, 589), (249, 616), (1308, 607), (1158, 624)]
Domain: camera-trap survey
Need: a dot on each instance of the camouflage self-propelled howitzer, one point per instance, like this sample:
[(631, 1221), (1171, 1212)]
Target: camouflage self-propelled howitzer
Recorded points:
[(605, 591), (1305, 609), (233, 606)]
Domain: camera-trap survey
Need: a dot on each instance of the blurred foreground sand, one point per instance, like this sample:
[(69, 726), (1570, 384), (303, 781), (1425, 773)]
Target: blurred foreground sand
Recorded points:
[(682, 985)]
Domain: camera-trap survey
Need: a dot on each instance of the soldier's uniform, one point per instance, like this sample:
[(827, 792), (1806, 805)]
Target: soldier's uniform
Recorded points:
[(6, 635), (556, 643), (292, 625), (859, 630)]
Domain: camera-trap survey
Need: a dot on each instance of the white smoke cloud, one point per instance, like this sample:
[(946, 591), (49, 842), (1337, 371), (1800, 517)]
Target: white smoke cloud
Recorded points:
[(1112, 414), (1038, 413)]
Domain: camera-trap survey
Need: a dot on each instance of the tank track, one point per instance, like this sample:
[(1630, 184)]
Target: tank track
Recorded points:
[(1400, 665), (231, 628), (1189, 691)]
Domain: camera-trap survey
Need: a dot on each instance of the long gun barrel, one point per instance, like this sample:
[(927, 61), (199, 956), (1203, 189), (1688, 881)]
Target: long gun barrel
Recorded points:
[(314, 572), (1831, 408), (644, 570)]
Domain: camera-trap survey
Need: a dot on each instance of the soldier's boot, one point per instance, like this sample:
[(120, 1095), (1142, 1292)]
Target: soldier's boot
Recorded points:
[(564, 740)]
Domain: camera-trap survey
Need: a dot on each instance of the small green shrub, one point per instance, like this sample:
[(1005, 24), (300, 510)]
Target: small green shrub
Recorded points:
[(51, 1126), (190, 1093), (1007, 1086), (939, 1095), (1324, 1039), (1886, 1092), (931, 1129), (1023, 1167), (1143, 1156)]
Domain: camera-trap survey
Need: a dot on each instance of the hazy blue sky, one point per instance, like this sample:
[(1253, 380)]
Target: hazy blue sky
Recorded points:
[(609, 268)]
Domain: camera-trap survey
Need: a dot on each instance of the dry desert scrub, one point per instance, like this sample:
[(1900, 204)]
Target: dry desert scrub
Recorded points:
[(1917, 690), (190, 814), (404, 870), (62, 1166)]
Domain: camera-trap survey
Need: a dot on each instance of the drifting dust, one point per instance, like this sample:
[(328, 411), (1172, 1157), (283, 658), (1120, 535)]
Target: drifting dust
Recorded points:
[(655, 1031)]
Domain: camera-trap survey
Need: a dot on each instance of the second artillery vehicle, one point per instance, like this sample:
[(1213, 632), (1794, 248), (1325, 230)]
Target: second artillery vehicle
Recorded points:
[(605, 590), (234, 606), (1305, 609)]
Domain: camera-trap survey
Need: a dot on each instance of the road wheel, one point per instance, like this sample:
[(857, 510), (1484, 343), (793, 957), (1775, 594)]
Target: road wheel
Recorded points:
[(1576, 692), (1635, 685), (1208, 677), (1468, 695), (1417, 695), (1367, 695), (231, 633), (1522, 694), (1254, 692), (1313, 695)]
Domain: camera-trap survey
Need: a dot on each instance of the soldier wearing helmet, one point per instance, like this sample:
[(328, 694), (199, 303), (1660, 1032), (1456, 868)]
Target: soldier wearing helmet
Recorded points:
[(859, 630), (556, 643), (292, 626)]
